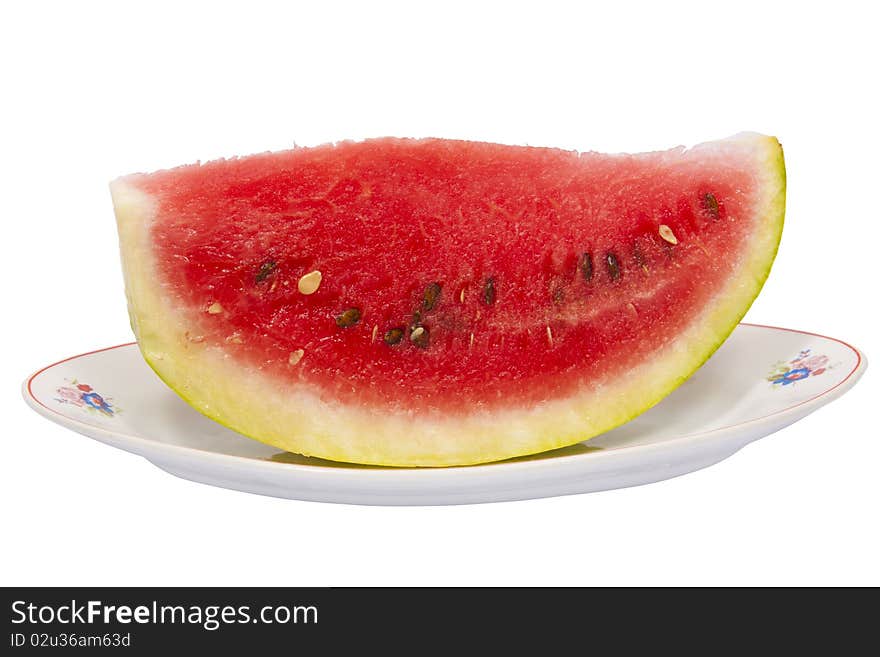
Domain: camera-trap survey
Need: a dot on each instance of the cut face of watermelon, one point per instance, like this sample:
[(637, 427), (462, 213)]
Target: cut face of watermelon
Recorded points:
[(435, 302)]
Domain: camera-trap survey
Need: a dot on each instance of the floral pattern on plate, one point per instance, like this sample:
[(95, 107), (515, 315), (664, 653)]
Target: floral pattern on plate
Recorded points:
[(804, 365), (85, 397)]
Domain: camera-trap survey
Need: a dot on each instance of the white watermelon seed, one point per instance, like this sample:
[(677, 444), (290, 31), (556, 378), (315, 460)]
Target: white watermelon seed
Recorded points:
[(310, 282), (215, 308), (419, 337), (549, 335), (375, 330), (667, 234), (296, 356)]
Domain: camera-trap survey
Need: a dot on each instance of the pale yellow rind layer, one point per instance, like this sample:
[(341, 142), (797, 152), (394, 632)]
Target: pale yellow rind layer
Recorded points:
[(298, 419)]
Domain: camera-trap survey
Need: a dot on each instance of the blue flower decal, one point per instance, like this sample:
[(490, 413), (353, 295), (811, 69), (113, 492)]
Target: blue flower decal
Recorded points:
[(96, 401), (793, 375)]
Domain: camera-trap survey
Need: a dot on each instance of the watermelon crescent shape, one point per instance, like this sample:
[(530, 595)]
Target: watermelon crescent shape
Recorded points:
[(434, 302)]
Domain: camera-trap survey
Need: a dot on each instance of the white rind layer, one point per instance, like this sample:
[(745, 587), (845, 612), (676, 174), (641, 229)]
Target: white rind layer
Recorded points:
[(298, 419)]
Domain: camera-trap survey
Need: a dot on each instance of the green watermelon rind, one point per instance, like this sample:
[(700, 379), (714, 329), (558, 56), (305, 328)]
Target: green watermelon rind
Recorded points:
[(298, 419)]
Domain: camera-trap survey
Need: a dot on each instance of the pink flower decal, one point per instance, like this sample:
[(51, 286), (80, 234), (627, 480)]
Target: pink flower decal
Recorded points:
[(70, 396)]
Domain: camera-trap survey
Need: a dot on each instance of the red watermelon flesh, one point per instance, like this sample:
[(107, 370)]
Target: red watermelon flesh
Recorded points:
[(461, 286)]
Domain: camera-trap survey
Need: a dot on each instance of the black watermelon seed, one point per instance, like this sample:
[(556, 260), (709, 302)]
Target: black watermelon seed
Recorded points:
[(639, 257), (393, 336), (711, 205), (586, 266), (489, 291), (348, 318), (266, 270), (613, 266), (431, 296)]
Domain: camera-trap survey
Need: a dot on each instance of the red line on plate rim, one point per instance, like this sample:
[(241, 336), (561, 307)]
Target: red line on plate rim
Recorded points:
[(825, 392), (64, 360), (763, 417)]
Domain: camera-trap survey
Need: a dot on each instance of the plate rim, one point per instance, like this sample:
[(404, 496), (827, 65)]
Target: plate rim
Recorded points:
[(150, 446)]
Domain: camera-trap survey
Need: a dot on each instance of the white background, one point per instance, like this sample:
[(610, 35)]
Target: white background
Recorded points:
[(91, 91)]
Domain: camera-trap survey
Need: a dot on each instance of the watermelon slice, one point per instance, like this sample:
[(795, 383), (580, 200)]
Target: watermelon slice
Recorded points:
[(434, 302)]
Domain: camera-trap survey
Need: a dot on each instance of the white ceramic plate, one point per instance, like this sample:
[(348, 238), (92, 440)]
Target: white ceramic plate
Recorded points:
[(762, 379)]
